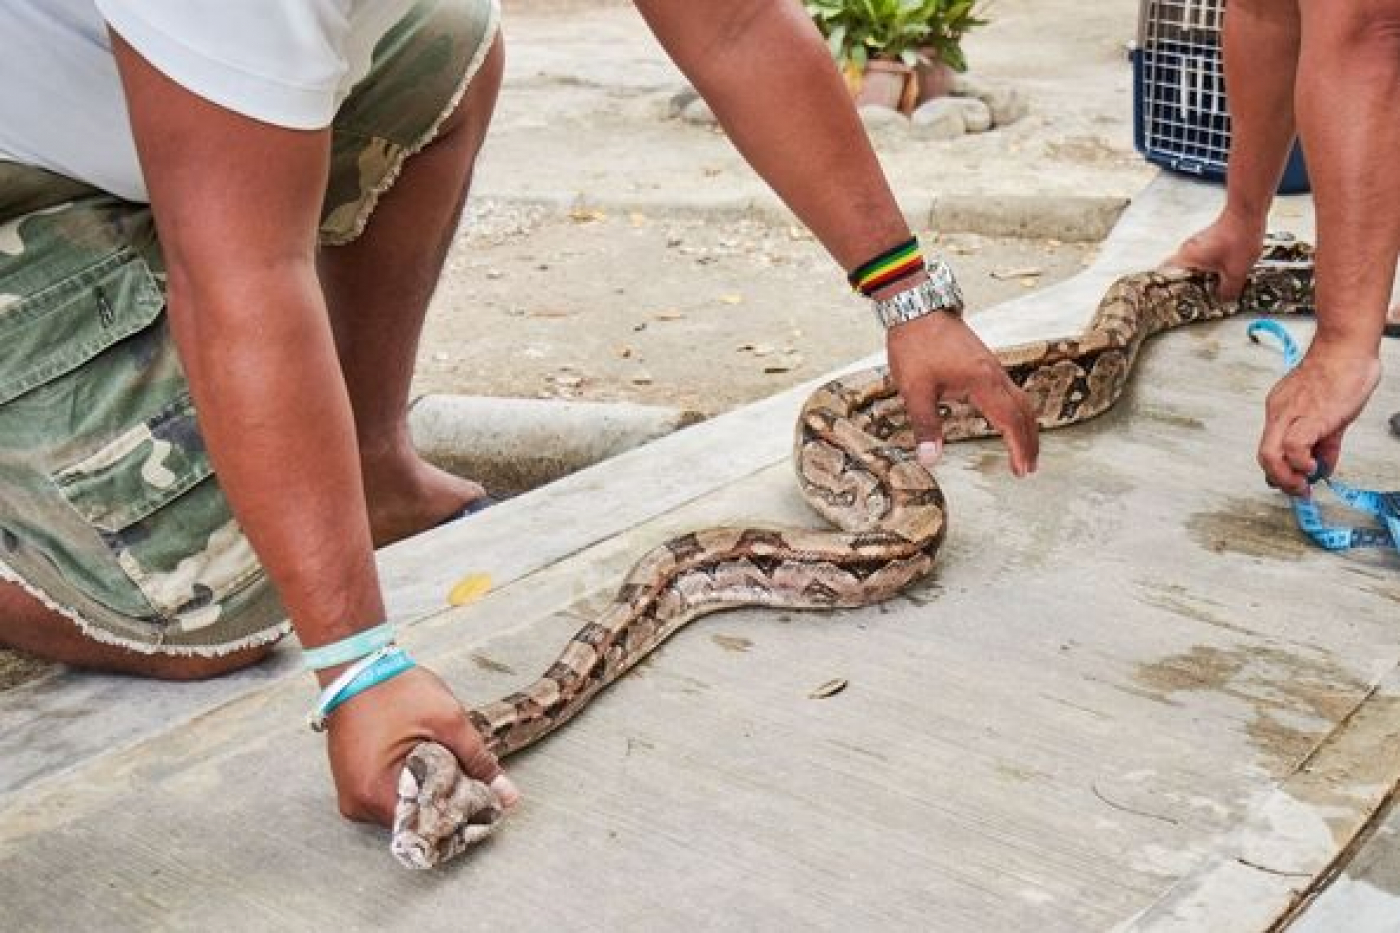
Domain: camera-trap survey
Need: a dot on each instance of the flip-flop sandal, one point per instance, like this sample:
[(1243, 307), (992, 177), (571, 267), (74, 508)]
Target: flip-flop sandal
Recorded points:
[(479, 504)]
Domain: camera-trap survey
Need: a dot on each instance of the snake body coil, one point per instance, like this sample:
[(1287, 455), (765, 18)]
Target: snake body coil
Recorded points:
[(854, 464)]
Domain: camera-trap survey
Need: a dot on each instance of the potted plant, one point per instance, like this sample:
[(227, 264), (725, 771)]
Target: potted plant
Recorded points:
[(885, 47), (942, 53)]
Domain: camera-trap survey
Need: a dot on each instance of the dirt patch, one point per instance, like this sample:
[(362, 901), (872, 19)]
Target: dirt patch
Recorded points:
[(704, 315), (1253, 527), (1295, 700), (17, 668)]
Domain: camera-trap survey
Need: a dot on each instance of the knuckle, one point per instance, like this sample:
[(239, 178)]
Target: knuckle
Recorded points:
[(356, 801), (989, 370), (349, 809), (443, 719), (481, 765)]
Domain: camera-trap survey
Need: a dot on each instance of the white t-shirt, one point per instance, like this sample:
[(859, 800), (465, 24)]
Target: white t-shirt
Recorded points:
[(285, 62)]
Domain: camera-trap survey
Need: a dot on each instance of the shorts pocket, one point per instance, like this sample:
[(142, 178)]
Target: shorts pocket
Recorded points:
[(56, 330), (152, 497)]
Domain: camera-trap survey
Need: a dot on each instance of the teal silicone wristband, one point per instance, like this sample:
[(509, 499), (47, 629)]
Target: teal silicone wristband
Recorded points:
[(394, 663), (370, 671), (348, 649)]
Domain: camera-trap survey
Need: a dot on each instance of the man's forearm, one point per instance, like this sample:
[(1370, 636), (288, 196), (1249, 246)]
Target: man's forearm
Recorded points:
[(236, 203), (275, 414), (1261, 57), (772, 84)]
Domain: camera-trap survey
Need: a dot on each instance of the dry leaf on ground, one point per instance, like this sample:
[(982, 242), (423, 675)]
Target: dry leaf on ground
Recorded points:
[(828, 689)]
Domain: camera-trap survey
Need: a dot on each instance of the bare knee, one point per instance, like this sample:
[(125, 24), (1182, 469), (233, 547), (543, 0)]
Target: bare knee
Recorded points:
[(1362, 30), (192, 668), (29, 626), (1376, 20), (471, 117)]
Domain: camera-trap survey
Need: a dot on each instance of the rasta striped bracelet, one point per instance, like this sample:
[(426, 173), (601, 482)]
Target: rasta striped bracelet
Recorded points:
[(889, 267), (938, 292)]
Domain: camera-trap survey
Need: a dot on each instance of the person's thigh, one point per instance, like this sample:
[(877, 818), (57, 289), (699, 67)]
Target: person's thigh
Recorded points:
[(422, 68), (110, 512)]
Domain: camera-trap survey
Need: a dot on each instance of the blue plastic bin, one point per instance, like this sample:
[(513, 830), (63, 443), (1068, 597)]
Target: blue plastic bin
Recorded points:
[(1180, 118)]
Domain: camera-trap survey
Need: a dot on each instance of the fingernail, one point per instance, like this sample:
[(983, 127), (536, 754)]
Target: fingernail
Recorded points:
[(928, 452), (505, 791)]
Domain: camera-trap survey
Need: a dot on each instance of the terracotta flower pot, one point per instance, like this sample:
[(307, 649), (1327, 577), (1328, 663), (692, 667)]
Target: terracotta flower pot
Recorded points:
[(888, 84), (935, 79)]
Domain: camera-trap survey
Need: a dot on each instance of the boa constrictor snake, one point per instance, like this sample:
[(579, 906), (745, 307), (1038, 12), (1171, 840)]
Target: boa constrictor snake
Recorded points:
[(855, 467)]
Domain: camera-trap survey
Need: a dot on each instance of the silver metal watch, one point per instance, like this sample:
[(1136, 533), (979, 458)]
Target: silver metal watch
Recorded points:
[(939, 292)]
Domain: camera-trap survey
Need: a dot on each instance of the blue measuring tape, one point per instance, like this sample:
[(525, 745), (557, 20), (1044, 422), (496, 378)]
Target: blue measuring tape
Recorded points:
[(1383, 506)]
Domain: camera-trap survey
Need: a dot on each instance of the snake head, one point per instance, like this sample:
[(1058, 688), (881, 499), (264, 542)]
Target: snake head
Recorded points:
[(441, 811)]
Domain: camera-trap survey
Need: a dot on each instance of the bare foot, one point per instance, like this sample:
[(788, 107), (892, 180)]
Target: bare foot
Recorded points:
[(406, 496)]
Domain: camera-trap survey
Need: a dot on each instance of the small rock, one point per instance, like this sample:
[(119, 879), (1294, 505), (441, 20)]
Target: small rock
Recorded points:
[(977, 116), (966, 85), (680, 101), (884, 124), (940, 118), (698, 113), (1007, 104)]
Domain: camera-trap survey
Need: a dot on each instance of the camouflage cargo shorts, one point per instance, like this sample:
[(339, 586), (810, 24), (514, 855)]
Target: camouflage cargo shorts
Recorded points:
[(109, 509)]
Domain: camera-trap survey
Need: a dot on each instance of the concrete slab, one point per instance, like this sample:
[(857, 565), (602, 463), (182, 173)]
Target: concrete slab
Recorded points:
[(1288, 848), (1364, 894), (510, 445), (1116, 668), (584, 122)]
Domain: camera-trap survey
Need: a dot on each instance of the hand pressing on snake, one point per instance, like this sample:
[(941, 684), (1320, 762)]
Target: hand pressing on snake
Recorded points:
[(372, 738), (937, 359), (1229, 247)]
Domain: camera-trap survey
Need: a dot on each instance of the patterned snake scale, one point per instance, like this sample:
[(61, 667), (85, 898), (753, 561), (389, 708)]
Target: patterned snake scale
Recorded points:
[(854, 463)]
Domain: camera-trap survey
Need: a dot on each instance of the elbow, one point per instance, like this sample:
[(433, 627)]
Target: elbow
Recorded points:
[(216, 293)]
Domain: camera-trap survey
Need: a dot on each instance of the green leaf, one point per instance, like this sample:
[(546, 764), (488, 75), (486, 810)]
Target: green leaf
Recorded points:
[(894, 29)]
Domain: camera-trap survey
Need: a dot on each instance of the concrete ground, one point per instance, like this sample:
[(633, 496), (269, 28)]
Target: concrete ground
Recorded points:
[(728, 311), (1364, 892), (587, 179), (584, 124), (1131, 697)]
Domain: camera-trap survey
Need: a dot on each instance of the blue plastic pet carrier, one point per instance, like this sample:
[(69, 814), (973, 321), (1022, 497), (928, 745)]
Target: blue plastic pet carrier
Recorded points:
[(1180, 120)]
